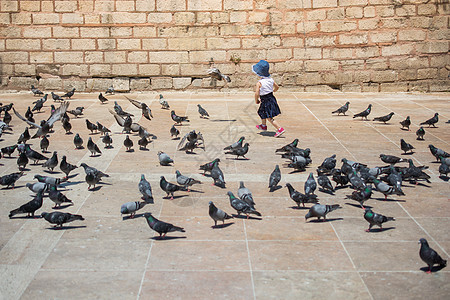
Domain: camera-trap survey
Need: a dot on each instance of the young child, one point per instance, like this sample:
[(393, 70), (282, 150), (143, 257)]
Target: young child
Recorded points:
[(268, 108)]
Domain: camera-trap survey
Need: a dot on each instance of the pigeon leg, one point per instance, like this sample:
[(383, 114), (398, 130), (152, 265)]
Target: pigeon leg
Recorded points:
[(429, 269), (385, 197), (247, 216), (368, 230)]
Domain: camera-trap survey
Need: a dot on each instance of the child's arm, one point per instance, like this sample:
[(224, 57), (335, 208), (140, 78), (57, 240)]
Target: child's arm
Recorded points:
[(257, 87), (275, 86)]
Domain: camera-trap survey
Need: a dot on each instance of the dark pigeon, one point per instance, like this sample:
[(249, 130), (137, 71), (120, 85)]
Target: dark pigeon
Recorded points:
[(60, 218), (432, 121), (429, 256), (375, 219), (29, 208), (342, 110), (300, 198), (364, 113), (385, 118), (274, 178), (161, 227), (406, 123)]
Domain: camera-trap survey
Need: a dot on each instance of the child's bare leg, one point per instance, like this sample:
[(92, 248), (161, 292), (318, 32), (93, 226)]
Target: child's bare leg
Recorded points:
[(263, 121), (274, 123)]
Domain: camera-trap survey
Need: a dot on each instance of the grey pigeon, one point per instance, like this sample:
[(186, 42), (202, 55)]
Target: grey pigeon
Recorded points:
[(67, 126), (391, 159), (310, 184), (48, 179), (10, 179), (168, 187), (242, 206), (437, 153), (36, 91), (110, 90), (107, 140), (56, 97), (52, 162), (146, 111), (143, 142), (385, 189), (66, 167), (24, 137), (274, 178), (163, 102), (44, 143), (245, 194), (444, 169), (342, 110), (60, 218), (420, 133), (164, 159), (339, 178), (208, 166), (78, 142), (405, 146), (103, 130), (298, 162), (361, 195), (364, 113), (300, 198), (34, 155), (77, 111), (413, 173), (395, 179), (239, 151), (320, 211), (217, 175), (325, 183), (145, 189), (161, 227), (91, 126), (178, 119), (375, 219), (174, 131), (185, 181), (406, 123), (28, 208), (432, 121), (216, 74), (236, 145), (92, 179), (37, 187), (203, 113), (385, 118), (128, 143), (356, 181), (217, 214), (131, 208), (327, 165), (57, 197), (429, 256), (92, 147), (69, 94), (288, 147), (92, 170)]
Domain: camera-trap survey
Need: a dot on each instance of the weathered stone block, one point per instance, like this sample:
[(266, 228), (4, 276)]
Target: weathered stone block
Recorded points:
[(223, 43), (45, 18), (98, 84), (121, 84), (205, 56), (159, 17), (170, 5), (83, 44), (412, 35), (128, 44), (124, 69), (158, 83), (239, 4), (53, 83), (169, 57), (68, 57), (149, 70), (187, 44), (323, 3), (22, 18), (65, 6), (72, 18), (383, 76), (393, 87), (37, 32), (9, 5), (125, 5), (13, 57), (56, 44), (145, 5), (433, 47), (115, 57), (30, 5), (353, 39), (321, 65), (75, 70), (336, 13), (25, 69), (22, 82), (337, 26), (383, 37), (23, 44), (65, 32), (69, 84), (102, 70), (138, 57), (397, 49), (94, 32), (106, 44), (147, 31), (181, 82), (140, 84)]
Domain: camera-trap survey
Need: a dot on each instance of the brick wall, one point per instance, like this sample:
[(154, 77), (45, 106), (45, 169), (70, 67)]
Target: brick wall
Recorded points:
[(313, 45)]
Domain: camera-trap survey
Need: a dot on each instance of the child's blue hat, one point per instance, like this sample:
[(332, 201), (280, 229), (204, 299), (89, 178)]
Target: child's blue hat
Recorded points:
[(261, 69)]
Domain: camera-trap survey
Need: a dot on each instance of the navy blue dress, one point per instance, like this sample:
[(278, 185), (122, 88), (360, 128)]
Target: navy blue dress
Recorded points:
[(269, 107)]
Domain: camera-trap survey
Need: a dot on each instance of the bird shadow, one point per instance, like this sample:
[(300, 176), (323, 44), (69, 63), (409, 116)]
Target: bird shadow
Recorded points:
[(404, 129), (299, 207), (325, 220), (26, 217), (131, 218), (144, 149), (71, 183), (223, 120), (444, 178), (51, 172), (327, 192), (24, 169), (275, 188), (167, 238), (94, 133), (72, 176), (388, 200), (130, 151), (222, 225), (65, 227), (95, 155), (46, 151), (69, 133), (196, 191), (381, 229), (175, 197), (95, 189), (63, 206), (245, 217), (177, 138), (109, 147), (433, 269), (341, 187), (358, 206), (409, 153)]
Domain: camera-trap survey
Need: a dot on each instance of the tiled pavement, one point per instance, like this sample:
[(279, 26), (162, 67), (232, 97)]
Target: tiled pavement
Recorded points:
[(280, 256)]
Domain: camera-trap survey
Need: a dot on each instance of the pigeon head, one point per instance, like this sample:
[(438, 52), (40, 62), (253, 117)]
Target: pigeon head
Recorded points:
[(124, 210), (210, 203), (160, 96), (44, 214), (423, 241)]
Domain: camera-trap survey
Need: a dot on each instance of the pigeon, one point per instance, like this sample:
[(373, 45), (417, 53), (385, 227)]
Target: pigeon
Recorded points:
[(39, 103), (385, 189), (37, 187), (7, 118), (310, 184), (288, 147), (274, 178), (391, 159), (300, 198), (444, 169), (102, 98), (22, 161), (163, 102), (66, 167), (168, 187), (34, 155), (432, 121), (93, 147), (241, 206), (52, 162), (245, 195), (339, 178), (406, 147), (320, 211), (143, 133), (299, 163), (146, 111), (77, 111), (78, 142), (327, 165), (216, 74), (420, 133), (235, 145), (28, 208), (10, 179), (131, 208), (364, 113), (24, 137), (164, 159), (59, 218), (361, 195), (239, 151), (203, 113), (56, 97), (51, 181), (28, 113), (385, 118), (57, 197), (406, 123), (217, 175), (103, 130), (217, 214), (209, 166), (128, 143), (143, 142), (126, 123), (178, 119), (174, 131), (413, 173), (8, 150), (91, 126), (161, 227), (375, 219), (185, 181), (395, 179), (356, 181), (191, 141), (69, 94), (107, 140), (325, 183), (44, 144), (36, 91), (110, 91), (92, 179), (118, 109), (342, 110), (438, 152), (67, 127), (93, 171), (429, 256), (145, 189)]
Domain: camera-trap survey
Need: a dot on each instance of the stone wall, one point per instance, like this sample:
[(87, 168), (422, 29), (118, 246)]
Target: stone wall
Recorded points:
[(312, 45)]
